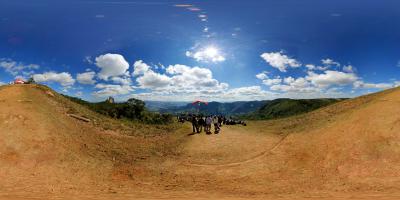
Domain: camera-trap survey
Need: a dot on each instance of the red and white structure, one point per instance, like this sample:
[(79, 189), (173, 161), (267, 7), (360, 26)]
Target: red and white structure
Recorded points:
[(19, 81)]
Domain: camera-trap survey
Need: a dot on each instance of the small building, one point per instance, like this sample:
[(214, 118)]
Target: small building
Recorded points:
[(110, 100), (19, 81)]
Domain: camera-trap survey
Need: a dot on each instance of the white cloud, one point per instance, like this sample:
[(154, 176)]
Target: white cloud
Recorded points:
[(191, 77), (86, 78), (280, 61), (63, 78), (293, 85), (152, 80), (139, 68), (181, 80), (348, 68), (236, 94), (107, 90), (17, 68), (208, 54), (329, 61), (122, 80), (263, 75), (362, 84), (329, 78), (112, 65), (248, 93), (272, 81), (310, 66), (268, 81)]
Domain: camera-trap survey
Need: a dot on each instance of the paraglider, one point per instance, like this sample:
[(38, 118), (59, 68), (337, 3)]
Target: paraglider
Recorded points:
[(198, 104)]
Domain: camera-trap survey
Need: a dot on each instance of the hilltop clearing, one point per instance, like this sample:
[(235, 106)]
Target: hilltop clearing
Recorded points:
[(346, 150)]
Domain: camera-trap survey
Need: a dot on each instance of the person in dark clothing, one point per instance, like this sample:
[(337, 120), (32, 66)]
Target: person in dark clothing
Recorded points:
[(220, 121), (201, 124), (195, 124)]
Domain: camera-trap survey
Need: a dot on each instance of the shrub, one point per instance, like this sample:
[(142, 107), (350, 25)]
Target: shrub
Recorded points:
[(133, 109)]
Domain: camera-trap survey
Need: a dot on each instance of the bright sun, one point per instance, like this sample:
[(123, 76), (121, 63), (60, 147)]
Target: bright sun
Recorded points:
[(207, 54), (211, 52)]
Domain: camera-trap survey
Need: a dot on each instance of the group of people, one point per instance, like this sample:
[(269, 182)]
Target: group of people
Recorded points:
[(200, 122)]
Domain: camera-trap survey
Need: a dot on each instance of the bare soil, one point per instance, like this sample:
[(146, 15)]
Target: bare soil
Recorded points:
[(350, 150)]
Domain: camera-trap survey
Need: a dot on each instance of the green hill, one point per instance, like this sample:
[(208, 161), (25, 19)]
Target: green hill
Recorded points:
[(280, 108)]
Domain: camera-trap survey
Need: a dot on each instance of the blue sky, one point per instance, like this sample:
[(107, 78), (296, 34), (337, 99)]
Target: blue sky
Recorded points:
[(210, 50)]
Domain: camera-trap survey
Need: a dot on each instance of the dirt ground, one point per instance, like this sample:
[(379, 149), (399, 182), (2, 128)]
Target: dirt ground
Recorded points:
[(350, 150)]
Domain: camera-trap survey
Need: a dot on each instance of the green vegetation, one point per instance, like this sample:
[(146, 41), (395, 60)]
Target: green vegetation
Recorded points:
[(280, 108), (133, 109), (30, 81)]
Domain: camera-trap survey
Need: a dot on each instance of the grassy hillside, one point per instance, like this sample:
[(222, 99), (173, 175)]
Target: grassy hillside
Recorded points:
[(133, 109), (280, 108)]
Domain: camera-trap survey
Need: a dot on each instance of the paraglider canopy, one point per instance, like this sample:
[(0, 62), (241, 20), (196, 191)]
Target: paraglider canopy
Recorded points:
[(199, 102)]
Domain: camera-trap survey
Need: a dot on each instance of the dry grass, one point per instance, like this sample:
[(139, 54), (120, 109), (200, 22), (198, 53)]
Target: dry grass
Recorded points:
[(347, 149)]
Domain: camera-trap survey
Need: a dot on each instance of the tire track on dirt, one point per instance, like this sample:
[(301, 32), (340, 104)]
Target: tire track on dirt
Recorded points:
[(232, 164)]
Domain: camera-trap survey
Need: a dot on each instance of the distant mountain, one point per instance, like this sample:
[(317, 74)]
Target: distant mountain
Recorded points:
[(280, 108), (268, 109), (157, 106), (231, 108)]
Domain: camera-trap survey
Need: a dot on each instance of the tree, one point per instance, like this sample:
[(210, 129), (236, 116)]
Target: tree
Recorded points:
[(31, 80), (134, 108)]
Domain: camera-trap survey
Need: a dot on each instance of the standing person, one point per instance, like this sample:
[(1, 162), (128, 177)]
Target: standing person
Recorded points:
[(216, 127), (220, 121), (202, 123), (194, 123), (208, 124)]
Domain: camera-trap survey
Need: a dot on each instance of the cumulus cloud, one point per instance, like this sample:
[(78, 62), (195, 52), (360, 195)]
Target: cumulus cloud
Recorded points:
[(280, 61), (17, 68), (152, 80), (121, 80), (111, 65), (329, 78), (329, 61), (272, 81), (63, 78), (268, 81), (362, 84), (86, 78), (312, 67), (235, 94), (293, 85), (139, 68), (106, 90), (180, 80), (263, 75), (248, 93), (311, 83), (192, 77), (348, 69)]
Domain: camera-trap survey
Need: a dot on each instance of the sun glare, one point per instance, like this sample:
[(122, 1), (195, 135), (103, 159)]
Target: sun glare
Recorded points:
[(211, 52)]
